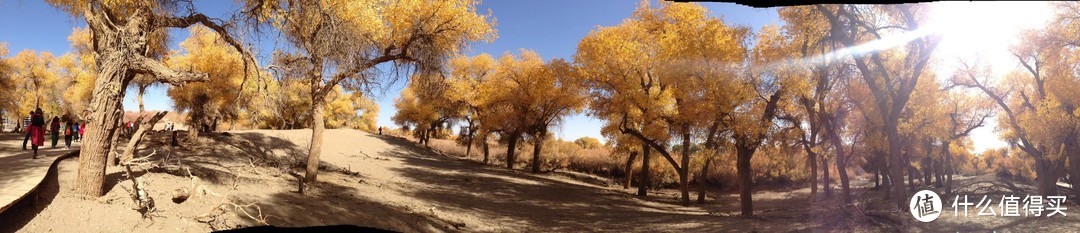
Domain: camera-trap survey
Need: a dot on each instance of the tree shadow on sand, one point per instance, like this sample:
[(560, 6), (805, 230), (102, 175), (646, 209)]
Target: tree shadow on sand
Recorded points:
[(339, 205), (535, 202)]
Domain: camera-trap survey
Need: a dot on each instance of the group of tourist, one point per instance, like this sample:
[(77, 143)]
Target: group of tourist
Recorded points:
[(35, 130)]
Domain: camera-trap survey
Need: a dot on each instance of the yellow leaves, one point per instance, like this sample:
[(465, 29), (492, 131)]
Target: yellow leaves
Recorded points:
[(674, 63), (216, 98), (341, 108)]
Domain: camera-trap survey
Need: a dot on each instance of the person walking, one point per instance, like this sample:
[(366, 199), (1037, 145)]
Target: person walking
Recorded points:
[(82, 131), (68, 132), (54, 128), (75, 132), (26, 125), (37, 131)]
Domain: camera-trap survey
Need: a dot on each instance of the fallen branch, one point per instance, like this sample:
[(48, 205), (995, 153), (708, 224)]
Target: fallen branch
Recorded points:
[(213, 219), (143, 202)]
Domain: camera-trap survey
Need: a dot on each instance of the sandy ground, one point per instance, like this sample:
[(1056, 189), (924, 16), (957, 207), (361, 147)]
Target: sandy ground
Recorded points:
[(391, 183)]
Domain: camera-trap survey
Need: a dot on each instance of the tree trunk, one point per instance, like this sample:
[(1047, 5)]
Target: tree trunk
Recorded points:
[(1073, 154), (928, 165), (896, 165), (1047, 177), (114, 158), (826, 182), (315, 150), (486, 151), (629, 169), (911, 172), (104, 112), (812, 157), (684, 170), (877, 176), (841, 166), (536, 152), (510, 150), (948, 166), (469, 140), (139, 98), (701, 180), (744, 173), (643, 182), (136, 139)]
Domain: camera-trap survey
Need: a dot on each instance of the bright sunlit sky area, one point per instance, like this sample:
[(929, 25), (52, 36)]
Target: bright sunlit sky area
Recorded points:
[(554, 28)]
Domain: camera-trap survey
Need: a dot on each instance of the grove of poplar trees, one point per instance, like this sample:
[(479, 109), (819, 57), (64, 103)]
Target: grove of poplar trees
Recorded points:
[(671, 82)]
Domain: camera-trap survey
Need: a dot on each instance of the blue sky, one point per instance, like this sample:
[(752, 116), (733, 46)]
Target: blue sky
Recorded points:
[(551, 28)]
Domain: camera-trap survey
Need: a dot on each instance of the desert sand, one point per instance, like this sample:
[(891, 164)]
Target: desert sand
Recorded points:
[(249, 178)]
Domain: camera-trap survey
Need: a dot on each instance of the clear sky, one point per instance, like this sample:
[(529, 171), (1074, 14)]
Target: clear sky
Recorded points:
[(552, 28)]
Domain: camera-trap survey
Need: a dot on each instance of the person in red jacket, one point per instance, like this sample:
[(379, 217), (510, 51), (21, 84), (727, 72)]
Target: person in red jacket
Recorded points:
[(37, 131), (68, 132)]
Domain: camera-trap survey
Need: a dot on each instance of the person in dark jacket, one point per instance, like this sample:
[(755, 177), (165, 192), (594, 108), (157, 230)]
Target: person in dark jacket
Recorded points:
[(75, 131), (26, 123), (54, 128)]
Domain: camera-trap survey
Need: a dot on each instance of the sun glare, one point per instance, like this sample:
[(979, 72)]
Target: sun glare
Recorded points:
[(985, 29)]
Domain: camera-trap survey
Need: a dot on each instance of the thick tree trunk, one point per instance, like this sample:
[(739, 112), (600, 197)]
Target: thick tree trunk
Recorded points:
[(643, 182), (114, 158), (104, 112), (510, 148), (1073, 154), (629, 169), (896, 166), (701, 180), (536, 152), (743, 169), (684, 170), (1047, 177), (312, 172)]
